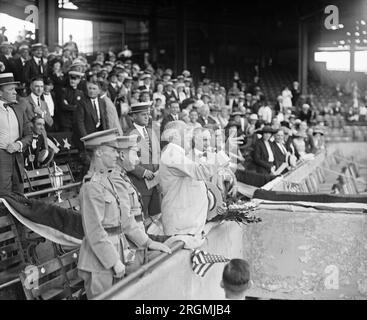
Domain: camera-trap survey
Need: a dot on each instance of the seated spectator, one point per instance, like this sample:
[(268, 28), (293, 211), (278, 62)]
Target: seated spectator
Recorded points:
[(174, 110), (37, 155), (263, 154), (281, 154), (184, 116), (194, 116), (318, 139), (236, 279), (223, 116)]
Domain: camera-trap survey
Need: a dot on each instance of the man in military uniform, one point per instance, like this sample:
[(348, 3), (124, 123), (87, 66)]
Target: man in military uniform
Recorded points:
[(68, 99), (105, 251)]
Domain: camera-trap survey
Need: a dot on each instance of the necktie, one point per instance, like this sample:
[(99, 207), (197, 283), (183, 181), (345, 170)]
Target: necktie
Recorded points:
[(38, 101), (40, 68), (146, 137), (95, 108)]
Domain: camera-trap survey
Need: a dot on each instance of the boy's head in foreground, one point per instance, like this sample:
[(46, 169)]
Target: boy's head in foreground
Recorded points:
[(236, 279)]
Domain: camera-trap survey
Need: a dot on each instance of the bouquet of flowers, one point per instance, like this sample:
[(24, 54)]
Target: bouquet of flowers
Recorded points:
[(239, 211)]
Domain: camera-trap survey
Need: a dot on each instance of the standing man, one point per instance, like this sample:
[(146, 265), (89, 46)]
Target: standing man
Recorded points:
[(34, 104), (20, 62), (6, 57), (35, 67), (90, 114), (15, 136), (174, 110), (105, 251), (67, 100), (149, 161)]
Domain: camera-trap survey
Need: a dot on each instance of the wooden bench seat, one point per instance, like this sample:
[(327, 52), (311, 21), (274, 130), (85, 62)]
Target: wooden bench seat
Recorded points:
[(53, 280), (11, 252)]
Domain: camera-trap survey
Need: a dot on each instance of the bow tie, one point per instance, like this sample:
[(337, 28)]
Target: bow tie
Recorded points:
[(9, 104)]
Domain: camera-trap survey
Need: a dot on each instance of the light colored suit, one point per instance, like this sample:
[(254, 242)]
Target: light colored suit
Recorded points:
[(185, 200), (102, 208), (149, 160), (30, 106)]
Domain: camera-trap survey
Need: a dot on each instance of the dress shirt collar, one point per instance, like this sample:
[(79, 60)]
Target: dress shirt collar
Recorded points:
[(37, 59), (35, 99)]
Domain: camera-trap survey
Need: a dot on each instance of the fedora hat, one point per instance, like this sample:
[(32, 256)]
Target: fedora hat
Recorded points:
[(267, 129), (7, 78)]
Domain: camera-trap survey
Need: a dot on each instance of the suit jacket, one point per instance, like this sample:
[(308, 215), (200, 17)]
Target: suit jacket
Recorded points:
[(31, 70), (86, 119), (165, 120), (149, 160), (261, 156), (211, 123), (29, 106), (18, 69), (8, 63), (25, 136), (279, 156), (112, 92)]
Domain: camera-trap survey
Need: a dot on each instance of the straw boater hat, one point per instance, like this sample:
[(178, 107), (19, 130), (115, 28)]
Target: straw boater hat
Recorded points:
[(75, 73), (6, 44), (36, 46), (267, 129), (7, 78), (318, 130), (140, 106), (45, 156)]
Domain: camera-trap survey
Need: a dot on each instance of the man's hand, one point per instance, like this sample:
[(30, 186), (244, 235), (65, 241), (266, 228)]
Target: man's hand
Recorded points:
[(13, 147), (119, 269), (38, 110), (272, 170), (149, 175), (154, 245)]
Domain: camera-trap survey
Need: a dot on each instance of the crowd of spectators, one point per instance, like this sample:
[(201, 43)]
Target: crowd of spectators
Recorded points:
[(79, 96)]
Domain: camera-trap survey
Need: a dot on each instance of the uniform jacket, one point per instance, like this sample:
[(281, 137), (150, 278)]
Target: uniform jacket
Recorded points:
[(149, 160), (102, 206), (67, 100)]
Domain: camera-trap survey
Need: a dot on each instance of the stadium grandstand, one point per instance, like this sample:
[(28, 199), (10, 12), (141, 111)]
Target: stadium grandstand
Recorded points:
[(143, 144)]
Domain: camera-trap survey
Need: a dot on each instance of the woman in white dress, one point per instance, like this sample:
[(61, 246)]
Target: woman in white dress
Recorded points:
[(287, 98)]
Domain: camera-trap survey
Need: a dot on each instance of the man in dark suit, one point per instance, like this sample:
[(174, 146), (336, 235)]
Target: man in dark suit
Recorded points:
[(35, 67), (263, 154), (90, 114), (6, 58), (19, 64), (149, 158), (204, 119), (174, 109), (15, 136)]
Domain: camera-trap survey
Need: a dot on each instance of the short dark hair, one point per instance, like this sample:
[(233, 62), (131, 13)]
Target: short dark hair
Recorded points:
[(236, 275), (36, 117), (37, 78)]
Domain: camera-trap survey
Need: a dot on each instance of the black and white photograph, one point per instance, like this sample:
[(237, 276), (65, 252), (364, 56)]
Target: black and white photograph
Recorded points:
[(183, 154)]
